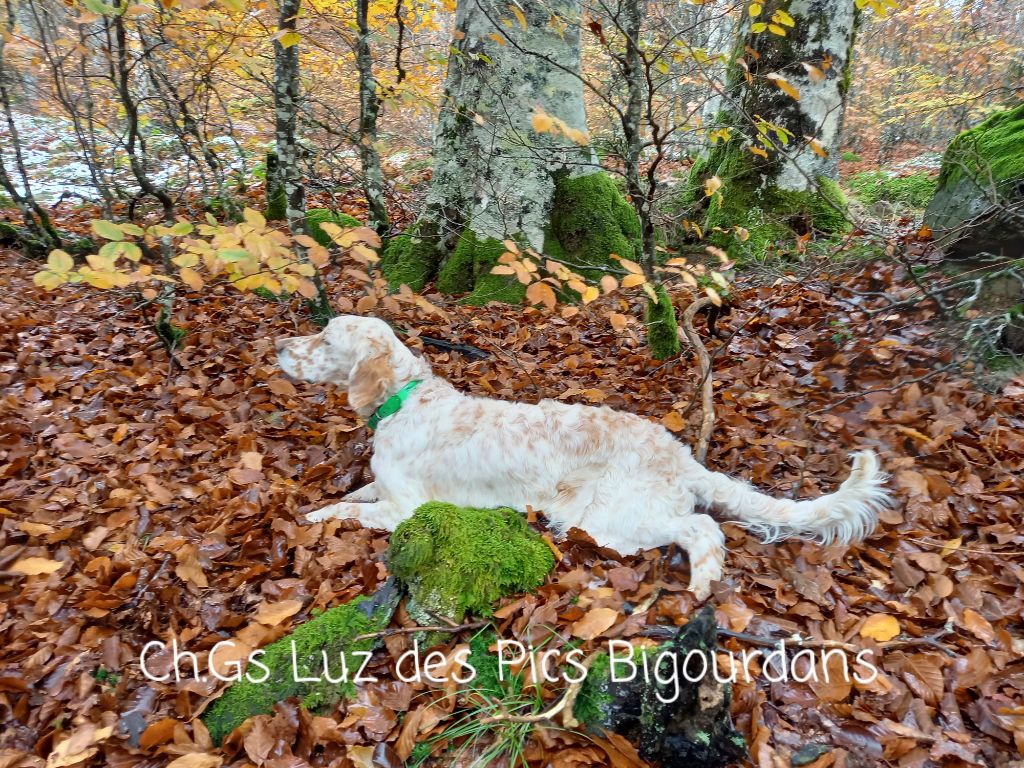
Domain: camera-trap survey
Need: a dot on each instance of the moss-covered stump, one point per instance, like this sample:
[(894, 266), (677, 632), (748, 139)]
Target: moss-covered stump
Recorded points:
[(981, 180), (323, 648), (772, 217), (455, 560), (693, 729), (662, 325), (589, 222), (413, 257), (315, 217)]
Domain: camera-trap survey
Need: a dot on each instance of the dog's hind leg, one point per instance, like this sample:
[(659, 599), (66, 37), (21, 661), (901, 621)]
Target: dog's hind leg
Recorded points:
[(704, 543)]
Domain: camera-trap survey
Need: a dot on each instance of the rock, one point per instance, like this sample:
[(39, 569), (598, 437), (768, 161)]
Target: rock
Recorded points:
[(978, 206)]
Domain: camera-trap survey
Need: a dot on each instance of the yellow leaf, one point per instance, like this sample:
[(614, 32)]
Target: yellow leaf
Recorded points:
[(712, 185), (273, 614), (35, 566), (234, 5), (783, 18), (520, 17), (631, 266), (755, 10), (775, 29), (673, 421), (594, 623), (49, 280), (288, 39), (816, 147), (618, 321), (59, 261), (108, 230), (255, 218), (541, 293), (881, 627), (191, 278), (542, 122), (631, 281), (783, 85), (758, 151), (758, 27), (589, 294), (713, 295), (306, 288), (497, 38)]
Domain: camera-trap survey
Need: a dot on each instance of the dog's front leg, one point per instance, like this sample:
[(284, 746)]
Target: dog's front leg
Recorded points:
[(372, 514), (367, 493)]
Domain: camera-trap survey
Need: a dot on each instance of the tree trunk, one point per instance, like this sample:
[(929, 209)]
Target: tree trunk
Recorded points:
[(511, 158), (369, 106), (286, 109), (792, 190)]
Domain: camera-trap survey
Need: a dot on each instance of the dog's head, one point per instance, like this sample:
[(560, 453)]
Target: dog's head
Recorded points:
[(361, 354)]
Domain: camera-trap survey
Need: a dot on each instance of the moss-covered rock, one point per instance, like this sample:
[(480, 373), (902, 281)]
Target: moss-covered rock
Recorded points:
[(914, 190), (662, 326), (301, 655), (455, 560), (982, 175), (315, 217)]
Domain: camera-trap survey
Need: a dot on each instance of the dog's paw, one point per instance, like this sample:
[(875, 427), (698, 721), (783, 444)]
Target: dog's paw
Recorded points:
[(327, 513)]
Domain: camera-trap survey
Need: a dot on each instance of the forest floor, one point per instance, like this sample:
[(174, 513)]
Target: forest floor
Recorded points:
[(163, 503)]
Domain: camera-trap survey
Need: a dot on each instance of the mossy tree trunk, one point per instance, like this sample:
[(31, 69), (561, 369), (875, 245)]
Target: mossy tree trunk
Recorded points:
[(369, 107), (496, 176), (793, 189)]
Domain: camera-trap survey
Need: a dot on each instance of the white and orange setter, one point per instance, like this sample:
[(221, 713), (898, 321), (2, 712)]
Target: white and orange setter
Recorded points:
[(624, 480)]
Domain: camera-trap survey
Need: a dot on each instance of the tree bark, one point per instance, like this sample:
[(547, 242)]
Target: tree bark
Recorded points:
[(286, 110), (369, 107), (511, 158), (793, 189)]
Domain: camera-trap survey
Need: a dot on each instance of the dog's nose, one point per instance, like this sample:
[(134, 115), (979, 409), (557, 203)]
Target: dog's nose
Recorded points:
[(280, 344)]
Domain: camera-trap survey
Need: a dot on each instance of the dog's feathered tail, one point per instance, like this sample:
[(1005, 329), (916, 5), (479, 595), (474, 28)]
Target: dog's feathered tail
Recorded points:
[(846, 516)]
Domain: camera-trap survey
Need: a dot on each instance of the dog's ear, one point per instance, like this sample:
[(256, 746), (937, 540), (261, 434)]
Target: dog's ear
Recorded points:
[(369, 381)]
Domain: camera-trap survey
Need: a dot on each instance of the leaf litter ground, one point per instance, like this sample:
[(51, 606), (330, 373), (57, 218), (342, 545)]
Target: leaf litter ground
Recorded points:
[(139, 504)]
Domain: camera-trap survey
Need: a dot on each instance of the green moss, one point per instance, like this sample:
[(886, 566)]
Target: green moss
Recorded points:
[(992, 151), (915, 190), (330, 633), (277, 199), (411, 258), (317, 216), (662, 326), (468, 269), (456, 559), (590, 220), (593, 700), (771, 216)]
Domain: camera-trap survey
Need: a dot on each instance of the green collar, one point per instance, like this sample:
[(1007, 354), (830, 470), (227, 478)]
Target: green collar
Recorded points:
[(393, 404)]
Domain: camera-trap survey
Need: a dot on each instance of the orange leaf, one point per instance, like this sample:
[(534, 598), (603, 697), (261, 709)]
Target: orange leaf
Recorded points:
[(594, 623), (880, 627)]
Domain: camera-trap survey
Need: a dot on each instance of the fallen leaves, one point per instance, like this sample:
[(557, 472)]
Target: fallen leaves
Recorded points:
[(167, 506), (36, 566)]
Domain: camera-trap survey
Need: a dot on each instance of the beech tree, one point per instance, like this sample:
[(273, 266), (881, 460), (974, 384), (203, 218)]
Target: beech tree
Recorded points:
[(772, 172), (512, 160)]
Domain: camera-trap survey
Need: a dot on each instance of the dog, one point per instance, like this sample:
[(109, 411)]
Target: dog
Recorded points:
[(624, 480)]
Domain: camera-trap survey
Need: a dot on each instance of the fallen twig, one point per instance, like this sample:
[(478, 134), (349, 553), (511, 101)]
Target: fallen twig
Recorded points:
[(409, 630), (707, 423)]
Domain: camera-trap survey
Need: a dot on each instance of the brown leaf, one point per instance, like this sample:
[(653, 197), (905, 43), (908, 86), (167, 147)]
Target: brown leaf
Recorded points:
[(594, 623)]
